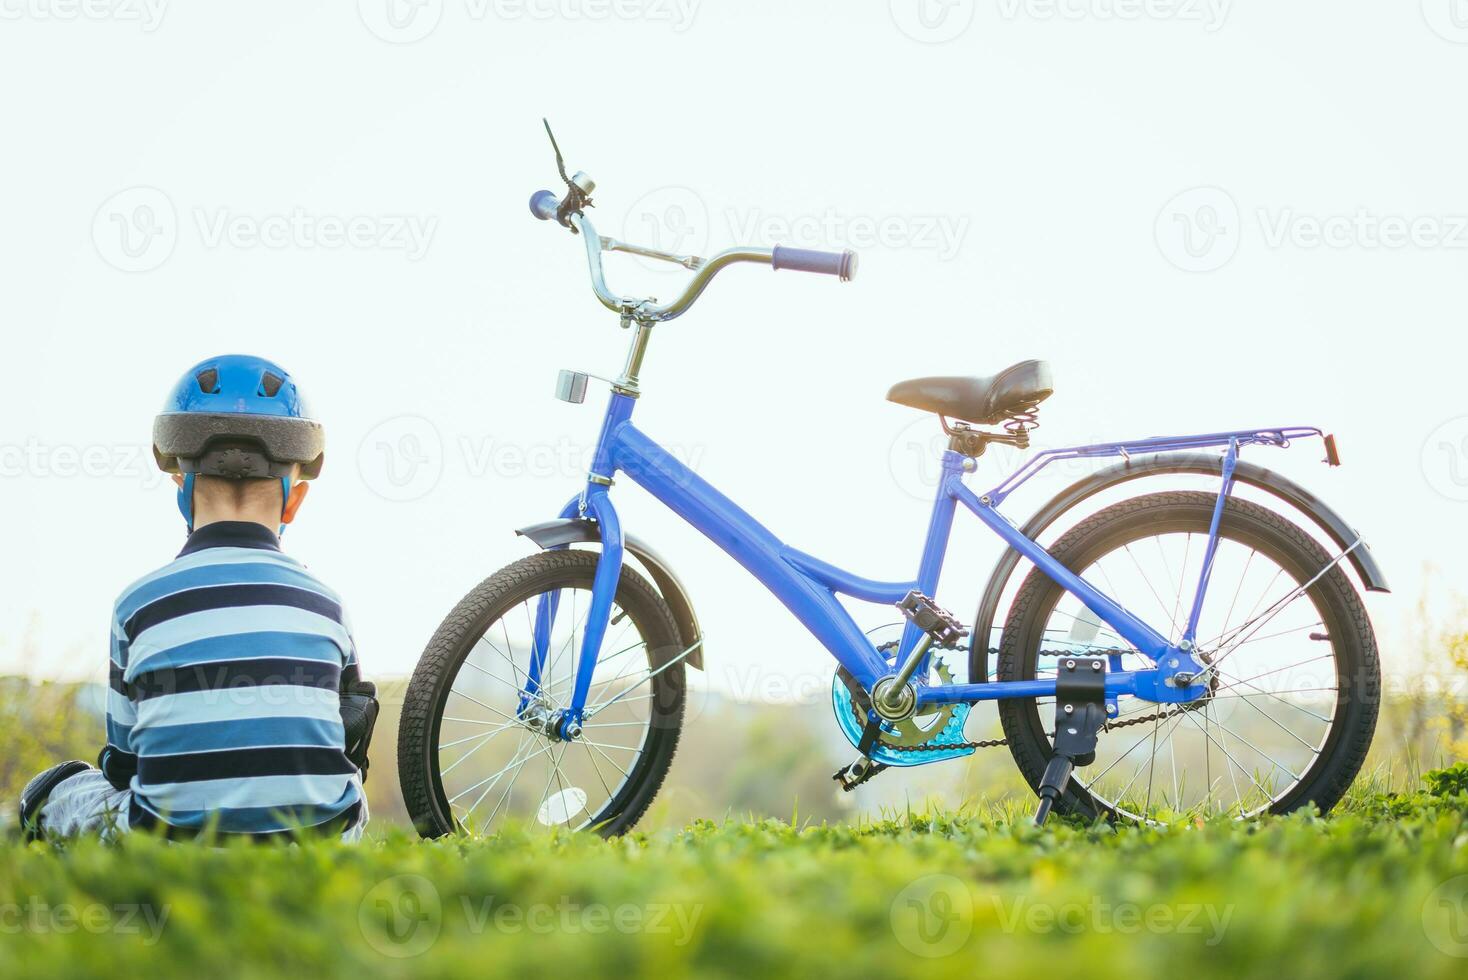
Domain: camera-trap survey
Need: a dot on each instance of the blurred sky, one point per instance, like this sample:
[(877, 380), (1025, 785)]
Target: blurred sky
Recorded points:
[(1206, 215)]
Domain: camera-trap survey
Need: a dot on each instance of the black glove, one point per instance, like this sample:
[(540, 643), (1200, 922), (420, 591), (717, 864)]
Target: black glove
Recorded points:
[(118, 766), (359, 716)]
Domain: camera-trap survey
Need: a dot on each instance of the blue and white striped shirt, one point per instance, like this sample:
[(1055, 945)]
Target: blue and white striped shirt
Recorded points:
[(226, 669)]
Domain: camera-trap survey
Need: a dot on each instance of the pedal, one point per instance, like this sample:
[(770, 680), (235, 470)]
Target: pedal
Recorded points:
[(932, 619), (852, 776), (1080, 714)]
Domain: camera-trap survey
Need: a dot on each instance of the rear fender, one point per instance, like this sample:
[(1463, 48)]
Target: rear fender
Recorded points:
[(566, 531), (1302, 500)]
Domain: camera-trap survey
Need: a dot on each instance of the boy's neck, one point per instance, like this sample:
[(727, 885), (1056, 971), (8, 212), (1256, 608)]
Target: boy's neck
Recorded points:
[(266, 515)]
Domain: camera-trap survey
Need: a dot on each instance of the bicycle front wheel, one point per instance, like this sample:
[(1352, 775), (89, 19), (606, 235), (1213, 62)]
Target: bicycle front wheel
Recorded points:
[(471, 756), (1294, 680)]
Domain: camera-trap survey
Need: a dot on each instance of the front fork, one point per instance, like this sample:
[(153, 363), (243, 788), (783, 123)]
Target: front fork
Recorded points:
[(596, 504)]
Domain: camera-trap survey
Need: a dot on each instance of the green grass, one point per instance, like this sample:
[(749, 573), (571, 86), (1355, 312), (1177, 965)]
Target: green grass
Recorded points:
[(1354, 895)]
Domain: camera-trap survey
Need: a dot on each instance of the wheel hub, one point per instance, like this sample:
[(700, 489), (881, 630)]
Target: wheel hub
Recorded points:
[(540, 717)]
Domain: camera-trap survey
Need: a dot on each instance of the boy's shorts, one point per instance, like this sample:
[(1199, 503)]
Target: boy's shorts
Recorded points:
[(88, 804)]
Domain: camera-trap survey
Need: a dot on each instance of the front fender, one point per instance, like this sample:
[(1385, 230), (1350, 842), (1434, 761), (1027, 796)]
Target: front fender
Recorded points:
[(1334, 526), (576, 530)]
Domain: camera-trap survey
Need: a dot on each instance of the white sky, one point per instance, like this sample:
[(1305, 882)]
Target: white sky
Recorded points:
[(1024, 176)]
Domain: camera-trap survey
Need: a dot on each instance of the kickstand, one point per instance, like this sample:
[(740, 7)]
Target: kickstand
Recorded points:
[(1080, 714)]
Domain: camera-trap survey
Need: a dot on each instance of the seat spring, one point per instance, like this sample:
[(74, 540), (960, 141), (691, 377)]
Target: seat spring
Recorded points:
[(1022, 422), (1020, 425)]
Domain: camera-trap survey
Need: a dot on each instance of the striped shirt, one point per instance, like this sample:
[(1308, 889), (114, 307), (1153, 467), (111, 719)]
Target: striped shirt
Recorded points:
[(226, 669)]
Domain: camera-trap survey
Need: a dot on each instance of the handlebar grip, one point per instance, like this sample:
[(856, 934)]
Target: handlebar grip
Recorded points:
[(544, 204), (840, 264)]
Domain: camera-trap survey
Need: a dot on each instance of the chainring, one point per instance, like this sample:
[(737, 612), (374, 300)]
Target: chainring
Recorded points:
[(913, 741)]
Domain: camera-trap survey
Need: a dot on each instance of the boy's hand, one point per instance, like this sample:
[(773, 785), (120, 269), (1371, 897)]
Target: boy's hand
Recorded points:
[(118, 766)]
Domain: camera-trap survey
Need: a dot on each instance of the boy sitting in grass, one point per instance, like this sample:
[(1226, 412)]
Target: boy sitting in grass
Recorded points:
[(235, 705)]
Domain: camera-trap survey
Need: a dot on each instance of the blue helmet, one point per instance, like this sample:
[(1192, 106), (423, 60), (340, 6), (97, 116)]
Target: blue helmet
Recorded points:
[(237, 417)]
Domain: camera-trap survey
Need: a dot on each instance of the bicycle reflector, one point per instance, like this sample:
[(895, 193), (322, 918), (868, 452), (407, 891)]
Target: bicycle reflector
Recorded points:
[(571, 386)]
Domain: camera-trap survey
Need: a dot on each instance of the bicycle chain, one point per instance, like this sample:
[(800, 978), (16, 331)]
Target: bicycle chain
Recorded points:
[(994, 743)]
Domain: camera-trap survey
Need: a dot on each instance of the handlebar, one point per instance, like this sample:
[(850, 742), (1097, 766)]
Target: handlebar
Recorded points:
[(840, 264), (545, 206)]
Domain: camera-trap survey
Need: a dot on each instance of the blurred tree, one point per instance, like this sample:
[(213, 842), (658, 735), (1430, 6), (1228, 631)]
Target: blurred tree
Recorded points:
[(41, 725), (1453, 640)]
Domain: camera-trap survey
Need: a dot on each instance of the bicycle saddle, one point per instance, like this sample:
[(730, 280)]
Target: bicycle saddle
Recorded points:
[(985, 401)]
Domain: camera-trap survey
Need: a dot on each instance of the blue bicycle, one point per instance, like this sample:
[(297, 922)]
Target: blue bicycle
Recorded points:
[(1169, 654)]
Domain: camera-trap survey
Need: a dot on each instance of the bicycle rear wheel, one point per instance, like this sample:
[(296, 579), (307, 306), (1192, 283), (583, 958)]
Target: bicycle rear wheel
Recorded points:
[(1294, 677), (470, 759)]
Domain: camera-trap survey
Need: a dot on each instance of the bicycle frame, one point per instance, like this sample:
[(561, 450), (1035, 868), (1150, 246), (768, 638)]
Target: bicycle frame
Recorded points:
[(809, 587)]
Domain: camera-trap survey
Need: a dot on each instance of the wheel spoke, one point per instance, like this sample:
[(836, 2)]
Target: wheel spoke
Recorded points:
[(1275, 722), (1103, 772), (1281, 605), (1223, 747), (1243, 575), (1151, 769), (1276, 670), (1260, 752), (509, 788), (644, 679), (469, 738), (1293, 690), (486, 707), (519, 691), (1268, 794), (483, 741), (1182, 577), (1271, 694), (553, 778), (601, 778), (1151, 588), (513, 762), (609, 760), (607, 745)]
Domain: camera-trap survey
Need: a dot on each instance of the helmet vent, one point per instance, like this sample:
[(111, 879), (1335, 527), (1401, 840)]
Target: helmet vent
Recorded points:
[(208, 380), (270, 384)]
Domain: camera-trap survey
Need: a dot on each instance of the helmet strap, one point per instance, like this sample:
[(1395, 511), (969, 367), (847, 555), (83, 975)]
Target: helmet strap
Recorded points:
[(186, 501), (285, 499)]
